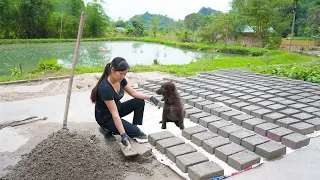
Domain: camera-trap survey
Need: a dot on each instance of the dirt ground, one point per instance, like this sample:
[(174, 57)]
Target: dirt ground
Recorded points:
[(77, 154), (84, 82)]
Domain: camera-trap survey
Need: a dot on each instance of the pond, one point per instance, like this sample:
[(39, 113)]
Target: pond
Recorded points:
[(97, 53)]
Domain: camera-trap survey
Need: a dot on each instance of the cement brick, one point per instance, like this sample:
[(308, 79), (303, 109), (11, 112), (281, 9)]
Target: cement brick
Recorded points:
[(218, 111), (163, 144), (310, 109), (188, 132), (243, 160), (306, 100), (316, 114), (298, 106), (252, 142), (213, 96), (205, 94), (273, 117), (190, 90), (154, 137), (239, 105), (289, 111), (201, 104), (195, 117), (215, 126), (186, 106), (189, 112), (277, 133), (204, 121), (229, 114), (285, 122), (284, 94), (267, 96), (237, 136), (192, 102), (262, 129), (229, 102), (211, 144), (255, 100), (245, 97), (179, 150), (221, 98), (258, 93), (227, 150), (271, 150), (250, 123), (225, 131), (315, 122), (220, 90), (236, 95), (250, 108), (265, 103), (303, 116), (205, 171), (294, 97), (187, 160), (207, 108), (260, 112), (198, 138), (287, 102), (196, 93), (240, 118), (185, 99), (295, 140), (276, 107), (302, 128)]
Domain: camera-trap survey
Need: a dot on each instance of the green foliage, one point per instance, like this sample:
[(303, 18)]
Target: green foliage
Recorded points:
[(15, 71), (45, 65), (147, 20), (96, 21), (206, 11), (184, 36), (138, 27), (194, 21)]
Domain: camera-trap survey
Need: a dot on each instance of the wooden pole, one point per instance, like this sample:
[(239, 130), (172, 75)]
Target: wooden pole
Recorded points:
[(75, 58)]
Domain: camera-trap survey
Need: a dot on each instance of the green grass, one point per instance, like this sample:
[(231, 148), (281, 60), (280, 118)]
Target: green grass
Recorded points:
[(235, 49)]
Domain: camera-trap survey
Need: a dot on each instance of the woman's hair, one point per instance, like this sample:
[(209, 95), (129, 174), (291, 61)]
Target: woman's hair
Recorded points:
[(119, 64)]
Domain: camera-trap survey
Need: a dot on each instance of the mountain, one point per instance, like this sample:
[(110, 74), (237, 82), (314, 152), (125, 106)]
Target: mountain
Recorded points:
[(206, 11), (147, 20)]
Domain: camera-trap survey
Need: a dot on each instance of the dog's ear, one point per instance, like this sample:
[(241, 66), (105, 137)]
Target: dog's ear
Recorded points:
[(172, 87)]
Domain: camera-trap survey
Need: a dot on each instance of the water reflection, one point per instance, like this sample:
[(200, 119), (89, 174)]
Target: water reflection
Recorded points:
[(90, 55)]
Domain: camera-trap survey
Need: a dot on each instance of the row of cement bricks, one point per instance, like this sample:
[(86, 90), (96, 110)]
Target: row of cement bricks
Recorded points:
[(310, 123), (225, 128), (186, 157)]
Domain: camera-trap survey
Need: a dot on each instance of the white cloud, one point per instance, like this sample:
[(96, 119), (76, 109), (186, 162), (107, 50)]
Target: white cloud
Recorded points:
[(176, 9)]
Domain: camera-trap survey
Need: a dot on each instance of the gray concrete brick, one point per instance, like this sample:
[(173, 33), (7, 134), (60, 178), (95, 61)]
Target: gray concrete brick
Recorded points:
[(239, 105), (249, 91), (227, 115), (227, 93), (163, 144), (315, 104), (189, 112), (185, 99), (316, 114), (179, 150), (310, 109), (187, 106), (237, 136), (262, 129), (265, 103), (218, 111), (188, 132), (225, 131), (227, 150), (192, 102), (211, 144), (207, 108), (190, 90), (198, 138), (285, 122), (284, 94), (250, 123), (306, 100), (260, 112), (215, 126), (245, 97), (220, 90), (267, 96), (243, 160), (298, 105), (205, 170), (221, 98), (271, 150), (294, 97), (250, 108), (183, 94), (230, 102), (295, 140), (277, 99), (276, 107), (204, 121), (255, 100), (196, 93), (303, 116), (287, 102), (200, 105), (205, 94), (252, 142), (273, 117), (213, 96), (289, 111), (236, 95), (187, 160), (240, 118), (302, 128), (154, 137), (277, 133), (315, 122), (195, 117), (258, 93)]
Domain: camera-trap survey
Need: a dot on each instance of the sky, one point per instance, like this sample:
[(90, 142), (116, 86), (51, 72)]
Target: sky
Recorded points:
[(176, 9)]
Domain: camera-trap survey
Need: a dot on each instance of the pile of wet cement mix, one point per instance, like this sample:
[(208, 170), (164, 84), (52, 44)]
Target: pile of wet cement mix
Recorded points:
[(74, 155)]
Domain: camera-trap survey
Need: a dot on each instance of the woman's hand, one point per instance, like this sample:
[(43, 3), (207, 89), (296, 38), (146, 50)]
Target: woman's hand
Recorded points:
[(125, 139)]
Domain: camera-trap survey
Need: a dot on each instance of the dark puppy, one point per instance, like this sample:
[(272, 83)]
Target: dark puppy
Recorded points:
[(173, 109)]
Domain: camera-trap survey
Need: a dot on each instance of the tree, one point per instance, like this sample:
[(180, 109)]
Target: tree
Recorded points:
[(194, 21), (138, 27), (96, 21), (154, 27)]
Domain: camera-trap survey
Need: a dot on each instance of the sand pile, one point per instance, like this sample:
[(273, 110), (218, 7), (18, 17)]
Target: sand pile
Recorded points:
[(74, 155)]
